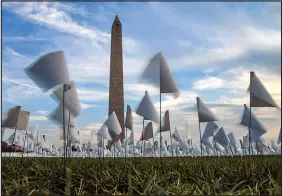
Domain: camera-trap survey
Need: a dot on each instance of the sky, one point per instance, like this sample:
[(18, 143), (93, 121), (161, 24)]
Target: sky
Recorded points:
[(210, 47)]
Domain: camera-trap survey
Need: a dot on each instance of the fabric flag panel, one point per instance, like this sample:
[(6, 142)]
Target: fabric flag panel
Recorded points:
[(210, 130), (57, 116), (176, 136), (279, 137), (49, 70), (12, 117), (103, 132), (34, 132), (71, 100), (147, 110), (232, 139), (260, 97), (165, 123), (128, 120), (221, 137), (255, 123), (23, 120), (113, 124), (157, 73), (188, 130), (204, 114), (148, 132)]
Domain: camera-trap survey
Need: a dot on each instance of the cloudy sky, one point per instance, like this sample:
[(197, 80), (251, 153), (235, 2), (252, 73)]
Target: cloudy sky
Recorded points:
[(209, 47)]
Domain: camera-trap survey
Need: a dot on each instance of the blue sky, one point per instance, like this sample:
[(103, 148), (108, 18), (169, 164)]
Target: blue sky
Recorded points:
[(210, 48)]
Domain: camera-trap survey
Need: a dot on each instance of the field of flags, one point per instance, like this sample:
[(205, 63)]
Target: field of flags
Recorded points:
[(49, 72)]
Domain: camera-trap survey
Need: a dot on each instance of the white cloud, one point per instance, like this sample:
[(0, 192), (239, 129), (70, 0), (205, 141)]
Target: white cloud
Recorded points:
[(14, 59), (18, 94), (186, 99), (43, 113), (37, 118), (86, 106), (13, 52), (85, 132), (208, 83), (7, 80), (91, 95), (92, 126), (235, 35), (131, 46), (212, 55), (137, 90), (19, 90), (22, 39), (88, 53), (271, 80), (238, 79), (50, 15)]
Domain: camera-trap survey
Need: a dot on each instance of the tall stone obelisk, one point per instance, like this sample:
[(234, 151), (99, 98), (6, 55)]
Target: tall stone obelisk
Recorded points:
[(116, 100)]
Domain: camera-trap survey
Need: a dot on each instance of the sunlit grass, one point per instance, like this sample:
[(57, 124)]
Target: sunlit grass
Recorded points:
[(172, 176)]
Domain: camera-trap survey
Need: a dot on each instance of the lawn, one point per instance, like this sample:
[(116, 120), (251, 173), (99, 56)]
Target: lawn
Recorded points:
[(174, 176)]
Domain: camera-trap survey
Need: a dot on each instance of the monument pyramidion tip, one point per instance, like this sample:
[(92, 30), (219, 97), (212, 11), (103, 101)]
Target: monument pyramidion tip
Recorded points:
[(116, 21)]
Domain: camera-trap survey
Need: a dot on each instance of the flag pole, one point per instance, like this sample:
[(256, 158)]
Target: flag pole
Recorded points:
[(226, 150), (199, 127), (126, 140), (215, 145), (200, 138), (133, 148), (103, 149), (142, 146), (64, 134), (68, 135), (176, 149), (160, 121), (207, 151), (171, 142), (250, 118), (24, 145), (244, 151), (257, 147), (100, 151), (154, 146), (160, 114), (231, 150), (27, 144), (13, 141)]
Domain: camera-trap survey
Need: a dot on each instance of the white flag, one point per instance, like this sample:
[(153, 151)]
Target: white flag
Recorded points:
[(204, 114), (221, 137), (165, 123), (176, 136), (23, 120), (158, 74), (259, 95), (128, 120), (210, 130), (255, 123), (147, 110), (71, 100), (49, 70), (113, 124), (12, 118)]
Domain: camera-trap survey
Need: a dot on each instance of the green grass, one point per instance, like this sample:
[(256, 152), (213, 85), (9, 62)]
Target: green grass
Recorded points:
[(173, 176)]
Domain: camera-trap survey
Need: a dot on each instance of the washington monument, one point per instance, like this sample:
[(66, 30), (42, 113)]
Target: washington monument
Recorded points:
[(116, 100)]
